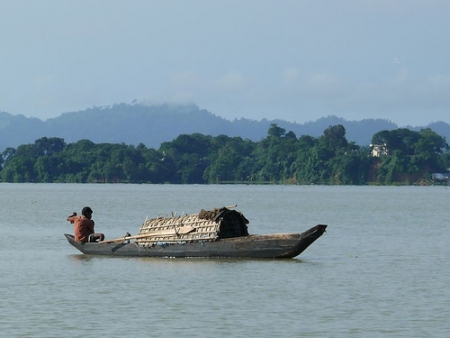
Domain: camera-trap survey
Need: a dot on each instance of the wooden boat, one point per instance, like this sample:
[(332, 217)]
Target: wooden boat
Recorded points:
[(209, 234)]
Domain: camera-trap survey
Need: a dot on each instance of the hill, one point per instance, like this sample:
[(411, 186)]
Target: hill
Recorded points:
[(152, 125)]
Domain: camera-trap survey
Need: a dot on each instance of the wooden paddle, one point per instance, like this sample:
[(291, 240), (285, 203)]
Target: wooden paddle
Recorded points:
[(179, 231)]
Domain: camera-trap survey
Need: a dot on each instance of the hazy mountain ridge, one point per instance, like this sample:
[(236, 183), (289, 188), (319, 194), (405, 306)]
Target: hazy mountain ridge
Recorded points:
[(152, 125)]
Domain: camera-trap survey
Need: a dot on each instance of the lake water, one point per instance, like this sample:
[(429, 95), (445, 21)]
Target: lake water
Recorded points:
[(381, 270)]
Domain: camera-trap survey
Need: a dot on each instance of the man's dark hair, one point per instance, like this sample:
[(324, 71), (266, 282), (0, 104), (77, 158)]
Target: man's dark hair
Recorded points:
[(86, 210)]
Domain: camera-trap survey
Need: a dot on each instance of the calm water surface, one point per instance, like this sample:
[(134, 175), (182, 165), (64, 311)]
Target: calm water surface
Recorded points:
[(381, 269)]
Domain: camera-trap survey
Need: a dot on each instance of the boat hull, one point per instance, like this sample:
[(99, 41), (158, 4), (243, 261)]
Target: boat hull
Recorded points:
[(252, 246)]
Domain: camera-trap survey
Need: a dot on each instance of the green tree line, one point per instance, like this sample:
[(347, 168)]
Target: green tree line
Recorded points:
[(407, 157)]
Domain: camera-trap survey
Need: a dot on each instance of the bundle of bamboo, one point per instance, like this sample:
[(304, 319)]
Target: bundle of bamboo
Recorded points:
[(185, 228), (204, 226)]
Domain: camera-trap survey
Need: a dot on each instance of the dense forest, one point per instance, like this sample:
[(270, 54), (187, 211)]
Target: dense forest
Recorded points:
[(406, 157)]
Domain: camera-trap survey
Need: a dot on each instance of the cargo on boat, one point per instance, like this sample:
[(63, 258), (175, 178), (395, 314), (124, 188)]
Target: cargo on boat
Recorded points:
[(217, 233)]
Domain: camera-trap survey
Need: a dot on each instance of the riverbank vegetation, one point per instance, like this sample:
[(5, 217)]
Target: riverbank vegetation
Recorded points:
[(398, 156)]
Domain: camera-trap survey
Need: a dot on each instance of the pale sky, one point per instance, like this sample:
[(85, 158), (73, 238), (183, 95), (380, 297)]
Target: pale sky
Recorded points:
[(293, 60)]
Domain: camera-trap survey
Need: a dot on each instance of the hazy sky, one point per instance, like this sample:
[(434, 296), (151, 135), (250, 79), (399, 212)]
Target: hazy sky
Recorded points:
[(295, 60)]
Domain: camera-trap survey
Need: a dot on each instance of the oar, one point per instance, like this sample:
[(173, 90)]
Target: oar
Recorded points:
[(181, 231)]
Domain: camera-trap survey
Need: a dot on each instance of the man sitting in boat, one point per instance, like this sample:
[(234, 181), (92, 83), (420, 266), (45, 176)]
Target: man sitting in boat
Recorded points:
[(84, 227)]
